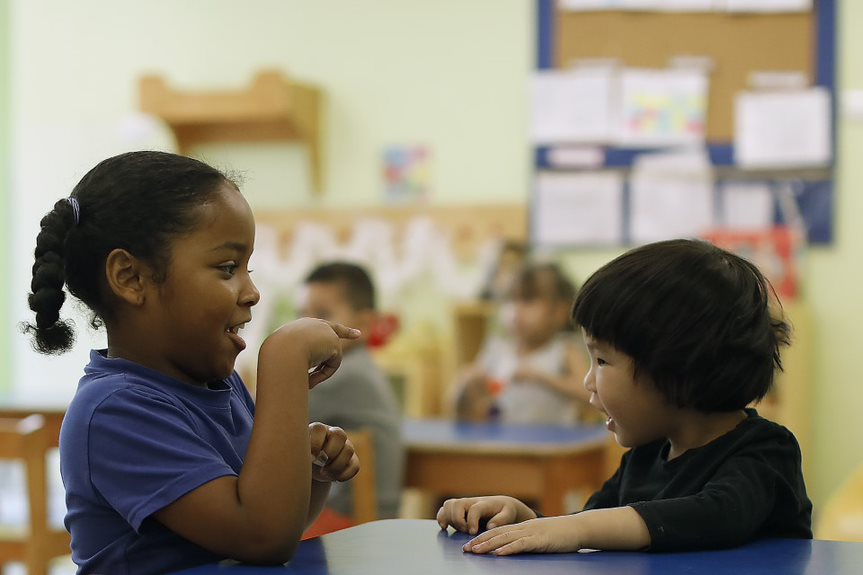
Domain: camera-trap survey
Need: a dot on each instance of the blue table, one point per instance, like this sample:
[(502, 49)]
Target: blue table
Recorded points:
[(540, 463), (420, 547)]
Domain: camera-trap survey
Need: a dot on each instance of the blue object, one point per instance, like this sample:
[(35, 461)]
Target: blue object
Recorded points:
[(419, 546), (433, 432), (133, 442)]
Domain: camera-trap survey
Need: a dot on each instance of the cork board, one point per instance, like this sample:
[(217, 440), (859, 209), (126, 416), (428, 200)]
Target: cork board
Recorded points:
[(737, 44)]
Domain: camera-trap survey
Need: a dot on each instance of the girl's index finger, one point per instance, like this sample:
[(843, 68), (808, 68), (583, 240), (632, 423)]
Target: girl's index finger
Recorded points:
[(345, 332)]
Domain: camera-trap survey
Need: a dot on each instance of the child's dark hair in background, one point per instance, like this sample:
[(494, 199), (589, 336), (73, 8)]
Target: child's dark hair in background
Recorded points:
[(694, 318), (354, 281), (683, 337), (160, 464), (544, 280)]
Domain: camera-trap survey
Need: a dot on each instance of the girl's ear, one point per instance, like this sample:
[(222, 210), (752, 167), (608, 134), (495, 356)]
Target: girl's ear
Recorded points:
[(127, 276)]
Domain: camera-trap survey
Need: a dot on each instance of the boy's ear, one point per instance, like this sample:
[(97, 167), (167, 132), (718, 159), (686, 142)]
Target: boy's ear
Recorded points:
[(127, 276)]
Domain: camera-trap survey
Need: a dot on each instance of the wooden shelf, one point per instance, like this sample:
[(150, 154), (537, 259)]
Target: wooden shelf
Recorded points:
[(273, 108)]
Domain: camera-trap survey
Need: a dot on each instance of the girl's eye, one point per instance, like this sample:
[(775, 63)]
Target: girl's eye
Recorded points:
[(600, 361), (229, 269)]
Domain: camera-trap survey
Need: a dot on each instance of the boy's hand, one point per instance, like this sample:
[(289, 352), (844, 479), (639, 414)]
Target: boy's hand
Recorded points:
[(332, 454), (321, 341), (547, 535), (466, 514)]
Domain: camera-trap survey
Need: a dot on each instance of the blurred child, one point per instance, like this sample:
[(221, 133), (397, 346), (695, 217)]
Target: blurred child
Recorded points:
[(681, 339), (166, 460), (358, 396), (533, 374)]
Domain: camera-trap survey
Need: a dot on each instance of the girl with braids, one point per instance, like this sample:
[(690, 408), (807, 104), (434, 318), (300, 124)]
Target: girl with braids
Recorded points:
[(166, 460)]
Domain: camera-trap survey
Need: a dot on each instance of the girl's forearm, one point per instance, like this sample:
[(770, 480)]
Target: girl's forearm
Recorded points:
[(274, 485)]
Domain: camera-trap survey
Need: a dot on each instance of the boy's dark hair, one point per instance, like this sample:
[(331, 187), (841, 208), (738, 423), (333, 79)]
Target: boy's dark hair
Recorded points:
[(695, 318), (541, 280), (136, 201), (354, 280)]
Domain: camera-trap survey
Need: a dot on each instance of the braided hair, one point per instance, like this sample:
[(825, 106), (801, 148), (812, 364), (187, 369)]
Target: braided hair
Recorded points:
[(136, 201)]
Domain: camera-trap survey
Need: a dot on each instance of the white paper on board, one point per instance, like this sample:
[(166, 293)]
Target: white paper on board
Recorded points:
[(747, 206), (782, 129), (572, 106), (642, 5), (671, 196), (768, 5), (572, 209)]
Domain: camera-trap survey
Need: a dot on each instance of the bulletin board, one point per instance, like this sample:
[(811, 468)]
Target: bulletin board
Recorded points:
[(736, 44)]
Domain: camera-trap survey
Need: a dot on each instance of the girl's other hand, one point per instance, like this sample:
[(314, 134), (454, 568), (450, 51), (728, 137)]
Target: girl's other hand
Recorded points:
[(333, 456), (468, 513)]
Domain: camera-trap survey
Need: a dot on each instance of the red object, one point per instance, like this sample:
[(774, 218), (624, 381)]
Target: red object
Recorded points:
[(494, 386), (383, 328), (328, 522), (774, 251)]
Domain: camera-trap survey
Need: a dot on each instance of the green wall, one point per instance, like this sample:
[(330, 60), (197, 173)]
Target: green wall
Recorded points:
[(5, 129)]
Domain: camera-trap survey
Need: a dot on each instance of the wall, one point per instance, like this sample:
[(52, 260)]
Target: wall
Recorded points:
[(447, 73), (5, 237)]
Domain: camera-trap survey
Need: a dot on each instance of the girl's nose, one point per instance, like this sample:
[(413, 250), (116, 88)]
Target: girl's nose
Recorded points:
[(250, 295)]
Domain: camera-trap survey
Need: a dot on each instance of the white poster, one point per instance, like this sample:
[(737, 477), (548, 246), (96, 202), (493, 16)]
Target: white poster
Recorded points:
[(578, 209), (573, 106), (747, 206), (768, 5), (671, 196), (783, 129)]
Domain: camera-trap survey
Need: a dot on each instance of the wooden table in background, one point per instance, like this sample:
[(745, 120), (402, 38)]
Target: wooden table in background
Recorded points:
[(539, 463)]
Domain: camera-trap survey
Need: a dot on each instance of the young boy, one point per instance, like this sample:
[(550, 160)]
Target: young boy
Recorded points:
[(358, 396), (681, 339)]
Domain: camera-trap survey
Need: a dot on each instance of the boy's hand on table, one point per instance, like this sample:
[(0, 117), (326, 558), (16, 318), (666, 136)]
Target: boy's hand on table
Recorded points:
[(468, 513), (332, 454), (547, 535)]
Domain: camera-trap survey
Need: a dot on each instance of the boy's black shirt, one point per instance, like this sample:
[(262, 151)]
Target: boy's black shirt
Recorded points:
[(744, 485)]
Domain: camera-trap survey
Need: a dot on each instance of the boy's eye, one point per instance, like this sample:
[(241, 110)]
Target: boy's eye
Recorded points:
[(600, 361), (229, 269)]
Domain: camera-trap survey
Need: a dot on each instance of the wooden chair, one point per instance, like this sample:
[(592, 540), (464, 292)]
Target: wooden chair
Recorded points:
[(27, 440), (364, 487)]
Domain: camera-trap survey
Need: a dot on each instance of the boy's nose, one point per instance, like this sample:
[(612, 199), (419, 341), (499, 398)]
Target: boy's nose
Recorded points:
[(589, 381)]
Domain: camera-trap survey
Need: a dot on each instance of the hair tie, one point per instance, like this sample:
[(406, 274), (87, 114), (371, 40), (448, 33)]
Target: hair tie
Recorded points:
[(76, 208)]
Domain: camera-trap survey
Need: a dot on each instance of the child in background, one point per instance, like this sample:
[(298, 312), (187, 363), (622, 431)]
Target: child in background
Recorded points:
[(535, 375), (166, 461), (358, 396), (681, 340)]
